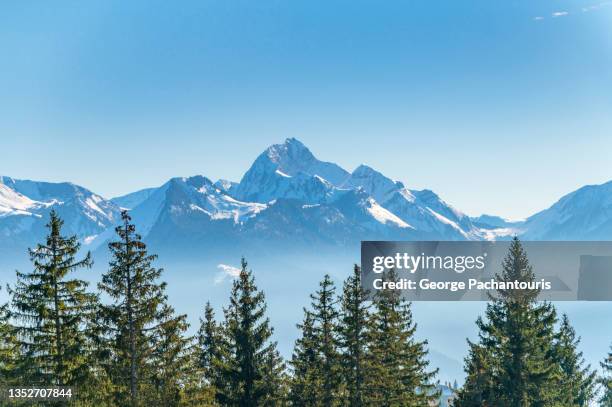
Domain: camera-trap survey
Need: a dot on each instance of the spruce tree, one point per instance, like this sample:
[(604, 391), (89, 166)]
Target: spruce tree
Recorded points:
[(171, 360), (133, 322), (606, 381), (50, 309), (516, 339), (305, 363), (399, 374), (250, 362), (479, 388), (275, 380), (8, 347), (325, 330), (353, 338), (209, 352), (576, 382)]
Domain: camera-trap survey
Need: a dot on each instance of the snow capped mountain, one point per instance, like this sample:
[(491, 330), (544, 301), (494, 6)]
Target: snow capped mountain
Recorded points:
[(24, 208), (423, 210), (286, 197), (585, 214), (288, 167)]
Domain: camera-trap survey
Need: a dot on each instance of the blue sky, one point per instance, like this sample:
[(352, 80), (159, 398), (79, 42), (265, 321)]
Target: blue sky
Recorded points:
[(499, 106)]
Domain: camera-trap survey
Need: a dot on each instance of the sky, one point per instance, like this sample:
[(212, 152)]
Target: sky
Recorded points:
[(500, 107)]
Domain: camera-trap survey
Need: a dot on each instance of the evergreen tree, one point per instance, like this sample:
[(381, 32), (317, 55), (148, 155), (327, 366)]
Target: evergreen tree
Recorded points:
[(305, 363), (353, 338), (479, 388), (8, 347), (171, 360), (606, 381), (325, 329), (133, 322), (209, 351), (516, 349), (577, 382), (250, 362), (50, 310), (398, 367), (275, 380)]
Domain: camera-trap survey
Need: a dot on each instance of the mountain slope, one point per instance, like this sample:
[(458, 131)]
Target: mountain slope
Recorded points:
[(287, 197), (25, 207), (585, 214), (287, 167)]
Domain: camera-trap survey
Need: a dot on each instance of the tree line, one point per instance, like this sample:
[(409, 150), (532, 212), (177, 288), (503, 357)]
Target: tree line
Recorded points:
[(124, 344)]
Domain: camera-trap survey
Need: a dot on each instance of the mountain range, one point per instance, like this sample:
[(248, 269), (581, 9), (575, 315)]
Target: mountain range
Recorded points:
[(287, 197)]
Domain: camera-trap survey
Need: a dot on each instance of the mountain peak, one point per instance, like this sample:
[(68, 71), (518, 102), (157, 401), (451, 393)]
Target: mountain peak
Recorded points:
[(276, 167), (373, 182), (289, 154)]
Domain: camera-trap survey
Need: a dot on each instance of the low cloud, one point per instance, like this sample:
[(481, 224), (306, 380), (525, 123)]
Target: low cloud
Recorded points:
[(559, 14), (226, 272), (597, 6)]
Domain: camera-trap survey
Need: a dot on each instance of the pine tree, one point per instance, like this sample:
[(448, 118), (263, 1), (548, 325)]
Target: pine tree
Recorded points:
[(50, 310), (577, 382), (274, 381), (479, 388), (171, 360), (399, 373), (325, 330), (305, 363), (353, 338), (248, 353), (516, 340), (8, 346), (606, 381), (209, 351), (133, 322)]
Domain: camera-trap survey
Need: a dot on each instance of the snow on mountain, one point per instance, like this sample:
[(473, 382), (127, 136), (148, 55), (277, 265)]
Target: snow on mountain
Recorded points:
[(14, 203), (133, 199), (25, 205), (199, 194), (288, 196), (373, 182), (287, 167), (225, 185), (585, 214), (494, 221), (193, 197), (423, 210)]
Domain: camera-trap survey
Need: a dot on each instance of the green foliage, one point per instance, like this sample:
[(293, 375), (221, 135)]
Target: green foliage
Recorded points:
[(137, 323), (359, 355), (399, 374), (606, 381), (576, 382), (316, 359), (9, 350), (353, 329), (209, 355), (50, 311), (325, 320), (305, 363), (479, 388), (520, 360), (171, 360), (249, 361), (134, 350)]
